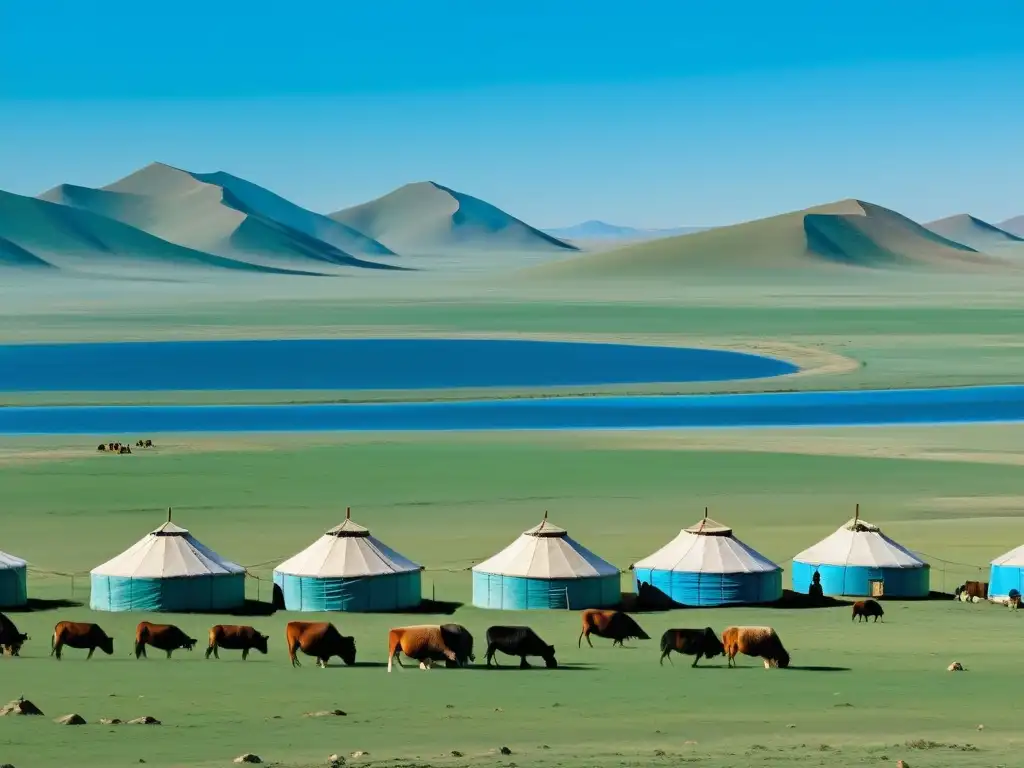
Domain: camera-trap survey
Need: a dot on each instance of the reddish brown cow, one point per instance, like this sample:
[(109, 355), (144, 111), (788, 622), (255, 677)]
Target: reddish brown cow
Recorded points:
[(163, 637), (236, 638), (320, 639), (427, 643), (614, 625), (75, 634), (761, 642), (863, 609)]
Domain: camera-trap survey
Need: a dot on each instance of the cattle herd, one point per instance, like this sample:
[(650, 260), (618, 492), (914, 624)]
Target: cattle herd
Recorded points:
[(424, 643)]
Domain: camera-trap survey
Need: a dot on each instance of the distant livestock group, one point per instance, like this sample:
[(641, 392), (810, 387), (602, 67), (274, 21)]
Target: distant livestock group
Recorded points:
[(122, 448), (423, 643)]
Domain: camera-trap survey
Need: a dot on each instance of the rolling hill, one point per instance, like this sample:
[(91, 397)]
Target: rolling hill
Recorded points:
[(427, 218), (42, 234), (849, 233), (1014, 226), (226, 216), (973, 232)]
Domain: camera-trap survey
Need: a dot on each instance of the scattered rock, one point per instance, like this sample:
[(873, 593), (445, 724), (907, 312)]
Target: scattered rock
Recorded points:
[(20, 706), (248, 757), (144, 720), (659, 753), (956, 666), (498, 709), (544, 746), (335, 760), (791, 725), (456, 753), (71, 719), (327, 713), (505, 751), (902, 764), (981, 727), (360, 753), (690, 743), (111, 721), (449, 706), (6, 765)]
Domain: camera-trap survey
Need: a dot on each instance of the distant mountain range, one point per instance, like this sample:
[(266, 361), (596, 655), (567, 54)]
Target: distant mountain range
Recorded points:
[(978, 234), (845, 234), (600, 230), (167, 223)]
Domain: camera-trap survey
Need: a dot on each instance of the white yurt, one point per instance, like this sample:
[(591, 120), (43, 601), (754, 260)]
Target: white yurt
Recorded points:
[(167, 570), (1006, 574), (858, 560), (545, 568), (13, 581), (706, 565), (347, 569)]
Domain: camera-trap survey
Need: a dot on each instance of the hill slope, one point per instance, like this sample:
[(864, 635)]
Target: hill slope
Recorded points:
[(848, 233), (427, 218), (1014, 226), (227, 216), (973, 232), (40, 233)]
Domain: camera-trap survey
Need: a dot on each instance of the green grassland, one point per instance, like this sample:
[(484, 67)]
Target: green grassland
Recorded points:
[(856, 695)]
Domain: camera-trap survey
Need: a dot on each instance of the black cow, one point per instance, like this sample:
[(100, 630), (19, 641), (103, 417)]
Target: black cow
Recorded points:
[(457, 638), (521, 642), (691, 642), (11, 639)]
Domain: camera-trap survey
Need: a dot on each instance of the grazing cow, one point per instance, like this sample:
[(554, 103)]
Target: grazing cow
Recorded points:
[(11, 639), (614, 625), (521, 642), (427, 643), (75, 634), (1013, 599), (147, 444), (125, 449), (235, 637), (320, 639), (864, 609), (163, 637), (755, 641), (970, 590), (691, 642), (102, 448)]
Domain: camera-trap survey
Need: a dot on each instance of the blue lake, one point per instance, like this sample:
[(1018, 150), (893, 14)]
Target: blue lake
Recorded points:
[(362, 364), (858, 408)]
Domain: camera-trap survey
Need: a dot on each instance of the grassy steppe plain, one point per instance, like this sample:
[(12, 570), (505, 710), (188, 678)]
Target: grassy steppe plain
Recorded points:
[(448, 501), (451, 501)]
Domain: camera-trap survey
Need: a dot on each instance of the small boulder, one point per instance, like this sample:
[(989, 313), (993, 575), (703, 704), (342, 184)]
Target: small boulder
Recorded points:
[(505, 751), (144, 720), (335, 761), (6, 765), (956, 666), (71, 719), (456, 753), (20, 706), (111, 721), (902, 764), (326, 713), (248, 757), (360, 753)]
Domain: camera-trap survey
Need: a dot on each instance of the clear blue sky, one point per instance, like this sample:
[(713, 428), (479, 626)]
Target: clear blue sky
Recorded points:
[(644, 113)]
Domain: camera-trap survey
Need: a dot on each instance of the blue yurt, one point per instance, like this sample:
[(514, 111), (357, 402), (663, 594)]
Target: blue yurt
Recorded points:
[(706, 565), (858, 560), (1007, 573), (347, 569), (545, 568), (13, 581), (167, 570)]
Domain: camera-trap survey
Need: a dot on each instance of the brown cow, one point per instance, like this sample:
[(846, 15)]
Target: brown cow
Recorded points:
[(320, 639), (163, 637), (11, 639), (972, 591), (755, 641), (427, 643), (614, 625), (235, 637), (75, 634), (863, 609)]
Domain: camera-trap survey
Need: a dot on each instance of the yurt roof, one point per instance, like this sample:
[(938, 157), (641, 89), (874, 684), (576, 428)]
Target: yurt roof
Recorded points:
[(546, 551), (707, 547), (10, 562), (1012, 559), (167, 552), (858, 543), (347, 551)]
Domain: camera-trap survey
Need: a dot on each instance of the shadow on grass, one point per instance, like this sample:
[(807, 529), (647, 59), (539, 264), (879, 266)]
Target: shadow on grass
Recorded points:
[(817, 669), (35, 604), (538, 668), (434, 608), (653, 600)]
